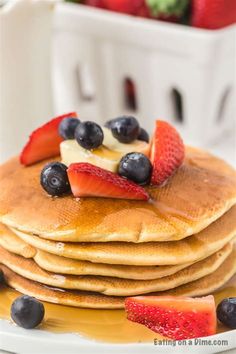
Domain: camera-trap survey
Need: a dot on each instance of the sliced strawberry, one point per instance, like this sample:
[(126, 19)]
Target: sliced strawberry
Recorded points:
[(87, 180), (175, 317), (213, 14), (44, 142), (167, 152)]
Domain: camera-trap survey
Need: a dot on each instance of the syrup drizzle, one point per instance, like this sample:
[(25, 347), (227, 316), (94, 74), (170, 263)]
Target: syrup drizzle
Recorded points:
[(109, 326)]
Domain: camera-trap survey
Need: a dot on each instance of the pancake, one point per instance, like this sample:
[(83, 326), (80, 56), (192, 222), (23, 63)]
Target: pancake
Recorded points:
[(189, 250), (208, 284), (58, 264), (203, 286), (12, 243), (62, 265), (201, 190), (57, 296), (110, 285)]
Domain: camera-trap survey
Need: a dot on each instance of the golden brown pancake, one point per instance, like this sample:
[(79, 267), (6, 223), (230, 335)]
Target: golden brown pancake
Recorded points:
[(58, 264), (200, 191), (188, 250), (209, 283), (199, 287), (110, 285), (12, 243), (58, 296), (63, 265)]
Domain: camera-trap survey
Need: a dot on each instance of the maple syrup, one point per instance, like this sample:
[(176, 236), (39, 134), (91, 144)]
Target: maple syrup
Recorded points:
[(103, 325)]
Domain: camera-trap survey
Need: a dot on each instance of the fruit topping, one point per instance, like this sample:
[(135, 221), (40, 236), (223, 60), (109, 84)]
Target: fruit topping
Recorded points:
[(89, 135), (27, 312), (167, 152), (175, 317), (125, 129), (87, 180), (54, 179), (44, 142), (136, 167), (143, 135), (2, 281), (109, 123), (106, 156), (226, 312), (67, 127), (114, 145)]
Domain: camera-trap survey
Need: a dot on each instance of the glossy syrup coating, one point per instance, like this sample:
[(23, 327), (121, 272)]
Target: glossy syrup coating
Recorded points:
[(176, 210)]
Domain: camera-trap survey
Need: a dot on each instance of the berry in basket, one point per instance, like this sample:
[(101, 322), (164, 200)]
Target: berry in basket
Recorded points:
[(96, 3), (208, 14), (213, 14)]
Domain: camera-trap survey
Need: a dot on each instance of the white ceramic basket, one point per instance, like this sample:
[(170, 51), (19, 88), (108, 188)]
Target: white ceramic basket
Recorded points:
[(25, 71), (181, 74)]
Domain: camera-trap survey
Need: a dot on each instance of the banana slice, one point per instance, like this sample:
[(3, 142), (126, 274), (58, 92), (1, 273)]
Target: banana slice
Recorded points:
[(106, 156)]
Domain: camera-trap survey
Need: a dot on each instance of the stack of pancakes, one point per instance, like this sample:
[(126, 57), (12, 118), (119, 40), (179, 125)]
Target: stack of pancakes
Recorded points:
[(94, 252)]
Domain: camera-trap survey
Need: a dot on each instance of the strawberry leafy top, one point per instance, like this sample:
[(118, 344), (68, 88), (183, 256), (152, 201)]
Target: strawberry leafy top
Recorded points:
[(167, 7)]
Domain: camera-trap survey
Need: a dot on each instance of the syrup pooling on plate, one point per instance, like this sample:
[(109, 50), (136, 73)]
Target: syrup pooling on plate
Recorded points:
[(103, 325)]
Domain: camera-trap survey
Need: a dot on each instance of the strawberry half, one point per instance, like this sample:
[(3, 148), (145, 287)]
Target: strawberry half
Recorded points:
[(213, 14), (87, 180), (167, 152), (44, 142), (175, 317)]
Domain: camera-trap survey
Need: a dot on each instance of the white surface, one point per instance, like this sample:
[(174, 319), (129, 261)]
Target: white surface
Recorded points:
[(22, 341), (158, 57), (225, 147)]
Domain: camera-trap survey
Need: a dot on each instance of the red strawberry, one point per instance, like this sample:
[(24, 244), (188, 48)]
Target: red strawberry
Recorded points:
[(125, 6), (143, 11), (167, 152), (87, 180), (44, 142), (213, 14), (174, 317)]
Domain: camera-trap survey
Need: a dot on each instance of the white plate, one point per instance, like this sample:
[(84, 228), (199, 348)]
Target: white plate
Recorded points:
[(20, 341)]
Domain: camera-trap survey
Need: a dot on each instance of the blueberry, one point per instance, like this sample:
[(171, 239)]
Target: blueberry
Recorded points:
[(136, 167), (125, 129), (109, 123), (67, 128), (226, 312), (89, 135), (2, 281), (143, 135), (54, 179), (27, 312)]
